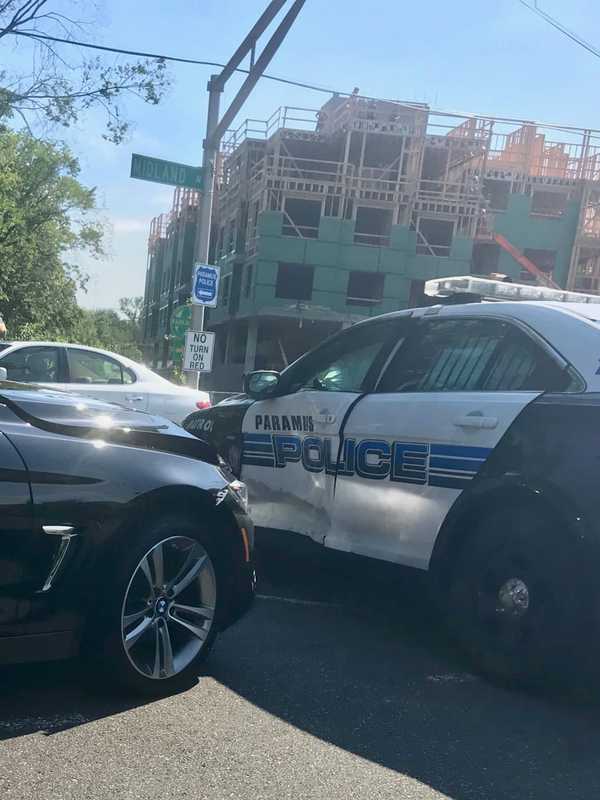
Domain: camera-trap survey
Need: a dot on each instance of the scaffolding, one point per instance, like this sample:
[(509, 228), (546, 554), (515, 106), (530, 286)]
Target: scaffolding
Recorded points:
[(167, 277), (383, 163)]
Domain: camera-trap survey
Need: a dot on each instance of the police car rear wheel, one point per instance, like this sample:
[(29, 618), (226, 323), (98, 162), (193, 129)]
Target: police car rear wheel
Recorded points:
[(515, 603)]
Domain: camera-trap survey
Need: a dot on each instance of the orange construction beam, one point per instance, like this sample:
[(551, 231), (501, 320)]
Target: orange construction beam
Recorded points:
[(525, 262)]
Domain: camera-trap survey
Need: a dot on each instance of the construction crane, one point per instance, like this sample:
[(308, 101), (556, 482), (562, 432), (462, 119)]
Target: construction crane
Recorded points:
[(524, 262)]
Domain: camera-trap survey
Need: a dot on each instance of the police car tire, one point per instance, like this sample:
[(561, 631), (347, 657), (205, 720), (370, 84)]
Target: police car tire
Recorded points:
[(518, 603)]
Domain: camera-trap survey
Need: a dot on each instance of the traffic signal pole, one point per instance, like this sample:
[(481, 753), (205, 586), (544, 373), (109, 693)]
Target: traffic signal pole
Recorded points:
[(215, 128)]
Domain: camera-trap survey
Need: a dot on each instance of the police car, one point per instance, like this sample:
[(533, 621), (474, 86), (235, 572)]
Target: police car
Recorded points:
[(461, 439)]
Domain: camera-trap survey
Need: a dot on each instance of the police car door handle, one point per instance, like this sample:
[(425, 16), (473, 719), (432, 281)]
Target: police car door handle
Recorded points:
[(477, 421)]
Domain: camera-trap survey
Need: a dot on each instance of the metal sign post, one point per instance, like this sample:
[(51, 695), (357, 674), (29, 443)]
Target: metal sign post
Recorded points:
[(215, 129)]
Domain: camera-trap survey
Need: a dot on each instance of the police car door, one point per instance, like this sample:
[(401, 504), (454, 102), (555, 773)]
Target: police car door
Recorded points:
[(442, 404), (291, 442)]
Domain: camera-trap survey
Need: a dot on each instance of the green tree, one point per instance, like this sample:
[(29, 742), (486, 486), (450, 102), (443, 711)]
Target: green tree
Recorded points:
[(107, 329), (60, 83), (45, 214), (131, 308)]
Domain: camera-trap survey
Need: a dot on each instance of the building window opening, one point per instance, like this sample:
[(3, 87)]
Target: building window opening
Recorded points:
[(543, 259), (238, 344), (496, 194), (231, 239), (434, 237), (248, 280), (587, 278), (242, 227), (486, 257), (383, 153), (221, 349), (365, 288), (294, 281), (548, 204), (301, 218), (332, 206), (253, 220), (226, 289), (355, 149), (373, 226), (435, 161)]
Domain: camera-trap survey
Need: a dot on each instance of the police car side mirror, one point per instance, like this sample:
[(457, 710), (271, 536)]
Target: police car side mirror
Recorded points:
[(261, 384), (3, 374)]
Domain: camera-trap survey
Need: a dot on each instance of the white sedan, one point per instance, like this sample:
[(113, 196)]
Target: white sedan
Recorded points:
[(100, 374)]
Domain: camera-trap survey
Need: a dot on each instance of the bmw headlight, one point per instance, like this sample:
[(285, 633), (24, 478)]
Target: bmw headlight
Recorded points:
[(235, 488), (240, 491)]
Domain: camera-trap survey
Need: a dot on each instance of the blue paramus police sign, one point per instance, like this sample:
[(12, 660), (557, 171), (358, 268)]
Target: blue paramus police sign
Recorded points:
[(206, 285)]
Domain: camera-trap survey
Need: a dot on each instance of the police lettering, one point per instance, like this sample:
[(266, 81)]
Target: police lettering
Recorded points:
[(445, 465), (287, 449)]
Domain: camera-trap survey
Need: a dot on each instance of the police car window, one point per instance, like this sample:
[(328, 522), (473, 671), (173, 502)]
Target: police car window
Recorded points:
[(464, 355), (521, 364), (32, 365), (342, 364)]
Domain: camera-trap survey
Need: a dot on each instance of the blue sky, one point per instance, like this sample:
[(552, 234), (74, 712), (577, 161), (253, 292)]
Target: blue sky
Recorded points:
[(492, 58)]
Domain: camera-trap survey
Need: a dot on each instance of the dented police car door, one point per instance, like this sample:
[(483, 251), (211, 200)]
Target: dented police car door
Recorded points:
[(292, 442), (443, 402)]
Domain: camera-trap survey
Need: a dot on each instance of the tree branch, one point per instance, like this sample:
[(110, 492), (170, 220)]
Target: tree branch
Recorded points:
[(26, 13), (56, 91)]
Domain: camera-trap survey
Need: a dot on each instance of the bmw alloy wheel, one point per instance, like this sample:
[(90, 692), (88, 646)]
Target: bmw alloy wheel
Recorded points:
[(169, 606)]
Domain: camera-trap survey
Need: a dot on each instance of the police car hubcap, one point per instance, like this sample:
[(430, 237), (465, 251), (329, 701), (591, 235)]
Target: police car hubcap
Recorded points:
[(513, 597)]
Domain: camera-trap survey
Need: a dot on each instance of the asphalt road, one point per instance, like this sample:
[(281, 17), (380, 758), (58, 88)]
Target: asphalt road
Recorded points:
[(337, 685)]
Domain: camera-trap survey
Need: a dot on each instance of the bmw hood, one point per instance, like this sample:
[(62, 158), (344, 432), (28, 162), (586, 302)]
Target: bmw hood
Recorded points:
[(83, 417)]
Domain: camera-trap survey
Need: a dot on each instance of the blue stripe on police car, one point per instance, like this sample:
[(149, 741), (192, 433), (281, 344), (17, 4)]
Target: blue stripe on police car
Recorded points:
[(443, 465)]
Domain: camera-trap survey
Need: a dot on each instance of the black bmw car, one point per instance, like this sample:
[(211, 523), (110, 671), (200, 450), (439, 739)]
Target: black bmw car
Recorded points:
[(122, 538)]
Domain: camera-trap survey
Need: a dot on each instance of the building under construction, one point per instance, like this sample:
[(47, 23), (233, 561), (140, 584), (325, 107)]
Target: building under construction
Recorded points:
[(324, 217)]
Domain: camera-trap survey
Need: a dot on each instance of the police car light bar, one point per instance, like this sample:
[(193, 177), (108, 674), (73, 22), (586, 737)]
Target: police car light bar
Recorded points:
[(499, 290)]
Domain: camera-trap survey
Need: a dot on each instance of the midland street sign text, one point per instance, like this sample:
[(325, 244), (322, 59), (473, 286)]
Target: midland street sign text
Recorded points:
[(198, 353), (172, 173)]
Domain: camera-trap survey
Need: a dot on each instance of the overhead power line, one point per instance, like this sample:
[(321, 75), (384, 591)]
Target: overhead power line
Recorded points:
[(163, 57), (575, 37), (310, 86)]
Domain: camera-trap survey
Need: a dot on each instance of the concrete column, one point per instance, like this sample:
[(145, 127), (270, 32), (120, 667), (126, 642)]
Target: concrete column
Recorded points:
[(251, 342)]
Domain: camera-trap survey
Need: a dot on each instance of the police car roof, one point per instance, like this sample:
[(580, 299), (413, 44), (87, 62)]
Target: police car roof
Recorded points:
[(588, 311)]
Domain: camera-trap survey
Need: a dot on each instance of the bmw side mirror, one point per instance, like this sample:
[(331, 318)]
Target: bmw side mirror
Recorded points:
[(3, 374), (261, 384)]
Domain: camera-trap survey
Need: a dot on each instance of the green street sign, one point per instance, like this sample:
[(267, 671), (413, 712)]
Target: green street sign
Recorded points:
[(146, 168)]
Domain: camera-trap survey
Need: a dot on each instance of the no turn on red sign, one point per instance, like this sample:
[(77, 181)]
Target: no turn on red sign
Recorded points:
[(198, 352)]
